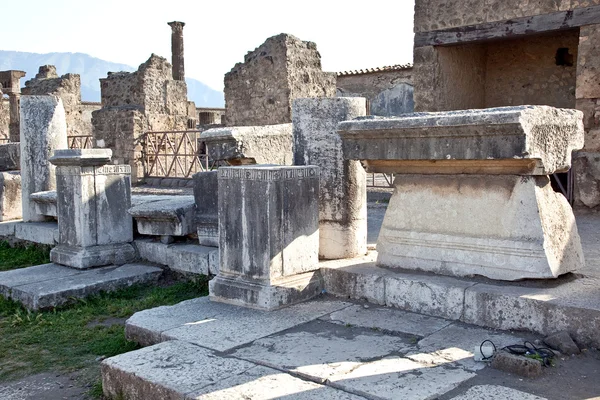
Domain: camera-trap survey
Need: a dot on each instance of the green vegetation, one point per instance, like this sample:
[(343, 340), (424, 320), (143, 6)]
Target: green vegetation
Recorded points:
[(75, 337), (19, 257)]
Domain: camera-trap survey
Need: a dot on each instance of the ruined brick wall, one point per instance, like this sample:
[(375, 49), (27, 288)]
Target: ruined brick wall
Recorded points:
[(120, 129), (389, 93), (260, 90), (68, 88), (431, 15), (86, 110)]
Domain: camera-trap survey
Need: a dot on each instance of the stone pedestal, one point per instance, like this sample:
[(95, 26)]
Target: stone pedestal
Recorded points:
[(206, 196), (342, 192), (472, 193), (43, 130), (269, 236), (93, 198)]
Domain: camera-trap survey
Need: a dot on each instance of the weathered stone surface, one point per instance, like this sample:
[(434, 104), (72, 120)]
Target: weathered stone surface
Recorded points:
[(177, 50), (495, 392), (456, 140), (51, 285), (515, 364), (173, 216), (260, 91), (92, 202), (37, 232), (562, 342), (206, 197), (419, 231), (43, 130), (10, 154), (10, 195), (45, 203), (342, 188), (186, 258), (7, 228), (586, 176), (268, 230), (271, 144), (387, 320), (219, 326), (176, 369), (588, 66)]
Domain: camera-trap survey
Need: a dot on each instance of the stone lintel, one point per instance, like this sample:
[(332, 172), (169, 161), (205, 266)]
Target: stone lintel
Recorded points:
[(545, 134)]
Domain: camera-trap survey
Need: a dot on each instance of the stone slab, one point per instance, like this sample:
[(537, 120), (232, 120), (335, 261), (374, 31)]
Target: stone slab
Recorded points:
[(177, 369), (172, 216), (433, 295), (186, 258), (151, 250), (517, 134), (495, 392), (387, 320), (455, 344), (93, 256), (220, 326), (45, 203), (51, 285), (10, 154), (321, 351), (7, 228), (37, 232), (10, 195)]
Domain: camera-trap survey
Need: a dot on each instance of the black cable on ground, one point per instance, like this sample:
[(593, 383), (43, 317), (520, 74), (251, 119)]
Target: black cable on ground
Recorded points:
[(527, 349)]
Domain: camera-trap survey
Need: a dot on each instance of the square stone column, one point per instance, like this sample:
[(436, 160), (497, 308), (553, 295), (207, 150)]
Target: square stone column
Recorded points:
[(472, 192), (269, 236), (343, 191), (43, 130), (94, 226)]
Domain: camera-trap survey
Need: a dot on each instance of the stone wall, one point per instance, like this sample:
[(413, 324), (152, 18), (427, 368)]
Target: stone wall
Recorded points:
[(68, 88), (431, 15), (388, 91), (260, 90), (4, 120)]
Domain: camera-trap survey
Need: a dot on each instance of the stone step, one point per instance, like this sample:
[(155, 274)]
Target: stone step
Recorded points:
[(181, 370), (180, 257), (51, 285), (569, 303)]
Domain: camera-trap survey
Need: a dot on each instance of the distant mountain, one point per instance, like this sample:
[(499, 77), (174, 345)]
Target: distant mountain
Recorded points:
[(91, 69)]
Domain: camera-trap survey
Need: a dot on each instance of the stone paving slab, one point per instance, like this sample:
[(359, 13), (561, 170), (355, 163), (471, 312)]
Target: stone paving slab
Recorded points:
[(321, 351), (50, 285), (180, 370), (37, 232), (220, 326), (387, 320), (495, 392), (456, 343)]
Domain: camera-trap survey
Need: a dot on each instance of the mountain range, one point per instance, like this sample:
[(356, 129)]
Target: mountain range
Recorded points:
[(91, 69)]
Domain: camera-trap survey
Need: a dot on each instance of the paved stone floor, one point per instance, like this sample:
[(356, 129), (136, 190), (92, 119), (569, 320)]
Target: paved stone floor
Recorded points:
[(326, 349)]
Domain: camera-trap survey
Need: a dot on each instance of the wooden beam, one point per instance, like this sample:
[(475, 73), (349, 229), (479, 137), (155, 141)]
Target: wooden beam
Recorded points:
[(511, 28)]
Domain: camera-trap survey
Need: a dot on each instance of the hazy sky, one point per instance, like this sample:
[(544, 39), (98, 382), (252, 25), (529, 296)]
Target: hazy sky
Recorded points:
[(217, 34)]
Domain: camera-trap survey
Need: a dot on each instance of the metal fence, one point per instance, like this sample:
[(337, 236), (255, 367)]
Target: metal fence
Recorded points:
[(380, 180), (174, 154), (80, 142)]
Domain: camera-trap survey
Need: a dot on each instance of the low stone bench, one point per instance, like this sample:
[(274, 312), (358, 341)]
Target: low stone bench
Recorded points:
[(472, 192), (45, 203), (169, 216)]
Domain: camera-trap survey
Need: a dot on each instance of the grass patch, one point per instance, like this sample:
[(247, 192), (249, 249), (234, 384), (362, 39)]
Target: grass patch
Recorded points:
[(19, 257), (76, 337)]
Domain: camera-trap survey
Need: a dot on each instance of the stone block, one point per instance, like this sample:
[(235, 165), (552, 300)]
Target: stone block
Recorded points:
[(173, 216), (588, 66), (268, 230), (43, 130), (7, 228), (152, 251), (10, 156), (506, 140), (342, 190), (10, 195), (586, 177), (37, 232), (189, 258), (92, 202), (562, 342), (519, 365), (244, 145), (45, 203), (206, 197)]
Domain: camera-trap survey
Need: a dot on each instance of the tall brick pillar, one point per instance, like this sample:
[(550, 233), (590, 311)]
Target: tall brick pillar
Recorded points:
[(177, 50)]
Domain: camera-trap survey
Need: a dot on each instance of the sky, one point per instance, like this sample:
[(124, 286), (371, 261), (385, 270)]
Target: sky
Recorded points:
[(349, 34)]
